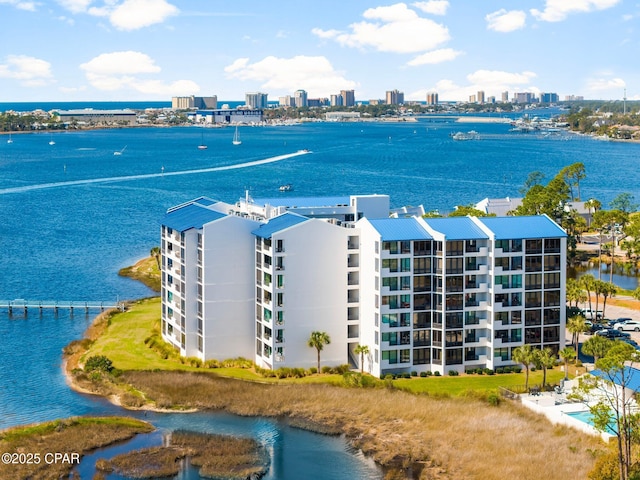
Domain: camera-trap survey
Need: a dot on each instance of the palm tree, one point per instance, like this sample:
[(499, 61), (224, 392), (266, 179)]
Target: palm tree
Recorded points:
[(544, 359), (155, 253), (597, 347), (361, 350), (608, 290), (588, 282), (567, 354), (318, 340), (576, 325), (575, 292), (525, 356)]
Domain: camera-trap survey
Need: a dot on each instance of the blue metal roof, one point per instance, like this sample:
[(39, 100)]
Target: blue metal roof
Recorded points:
[(293, 202), (190, 216), (457, 228), (206, 201), (391, 229), (278, 223), (630, 377), (535, 226)]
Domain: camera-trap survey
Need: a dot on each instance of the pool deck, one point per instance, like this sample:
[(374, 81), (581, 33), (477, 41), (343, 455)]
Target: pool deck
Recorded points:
[(555, 407)]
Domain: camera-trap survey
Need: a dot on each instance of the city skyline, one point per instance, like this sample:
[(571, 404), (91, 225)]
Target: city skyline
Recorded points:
[(109, 50)]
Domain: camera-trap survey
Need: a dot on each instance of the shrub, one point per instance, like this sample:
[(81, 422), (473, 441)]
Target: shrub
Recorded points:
[(298, 372), (313, 370), (493, 399), (499, 370), (436, 373), (341, 369), (389, 376), (516, 369), (414, 373), (326, 369), (423, 374), (99, 363), (488, 371), (406, 375), (213, 363), (357, 379), (429, 373), (453, 373), (194, 361)]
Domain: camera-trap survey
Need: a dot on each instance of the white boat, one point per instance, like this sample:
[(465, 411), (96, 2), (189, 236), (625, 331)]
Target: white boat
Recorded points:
[(10, 140), (119, 152), (470, 135), (286, 187), (51, 142), (202, 145), (236, 137)]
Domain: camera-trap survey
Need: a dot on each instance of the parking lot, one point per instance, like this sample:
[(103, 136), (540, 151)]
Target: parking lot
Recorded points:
[(612, 312)]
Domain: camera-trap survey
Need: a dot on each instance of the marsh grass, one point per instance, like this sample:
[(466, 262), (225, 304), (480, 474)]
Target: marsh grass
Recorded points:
[(218, 456), (461, 437), (75, 435), (432, 427)]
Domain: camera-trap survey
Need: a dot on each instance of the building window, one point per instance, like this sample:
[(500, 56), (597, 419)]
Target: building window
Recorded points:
[(454, 356), (421, 248), (421, 356), (390, 356), (422, 320), (405, 356), (421, 338)]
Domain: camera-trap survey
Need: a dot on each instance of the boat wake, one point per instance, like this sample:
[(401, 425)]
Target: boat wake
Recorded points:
[(164, 173)]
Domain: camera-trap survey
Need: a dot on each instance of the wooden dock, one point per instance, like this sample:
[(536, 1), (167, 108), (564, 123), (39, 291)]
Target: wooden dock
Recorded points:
[(24, 306)]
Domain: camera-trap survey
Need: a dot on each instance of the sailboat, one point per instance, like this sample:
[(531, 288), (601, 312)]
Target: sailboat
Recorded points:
[(202, 146), (119, 152), (10, 140), (236, 137), (51, 142)]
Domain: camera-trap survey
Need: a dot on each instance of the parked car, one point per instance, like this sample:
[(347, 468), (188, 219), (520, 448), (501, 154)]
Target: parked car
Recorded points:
[(594, 327), (591, 315), (629, 325), (631, 342), (612, 333)]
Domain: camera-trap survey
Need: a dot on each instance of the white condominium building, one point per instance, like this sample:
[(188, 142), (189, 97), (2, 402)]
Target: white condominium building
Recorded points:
[(254, 279)]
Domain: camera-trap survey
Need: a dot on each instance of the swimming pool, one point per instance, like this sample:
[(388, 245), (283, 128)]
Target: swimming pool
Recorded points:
[(585, 416)]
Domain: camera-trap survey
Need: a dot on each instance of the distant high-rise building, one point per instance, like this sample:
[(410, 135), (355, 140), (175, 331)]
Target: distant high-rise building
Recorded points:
[(480, 97), (191, 102), (256, 100), (570, 98), (300, 98), (549, 98), (336, 100), (394, 97), (348, 98), (472, 99), (491, 99), (432, 98), (286, 101), (523, 97), (505, 97)]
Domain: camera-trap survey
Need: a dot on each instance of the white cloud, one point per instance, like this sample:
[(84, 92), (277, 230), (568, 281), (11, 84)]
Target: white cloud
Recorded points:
[(435, 56), (496, 78), (29, 71), (558, 10), (395, 28), (21, 4), (126, 14), (135, 14), (504, 21), (485, 80), (122, 70), (316, 75), (117, 63), (434, 7), (602, 84), (75, 6)]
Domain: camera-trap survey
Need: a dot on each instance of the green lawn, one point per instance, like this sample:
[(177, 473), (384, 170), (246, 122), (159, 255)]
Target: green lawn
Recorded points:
[(123, 343)]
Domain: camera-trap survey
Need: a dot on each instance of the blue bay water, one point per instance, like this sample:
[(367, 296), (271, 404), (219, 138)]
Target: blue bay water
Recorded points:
[(65, 231)]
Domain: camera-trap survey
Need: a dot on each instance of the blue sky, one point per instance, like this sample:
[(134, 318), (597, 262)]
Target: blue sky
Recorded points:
[(78, 50)]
